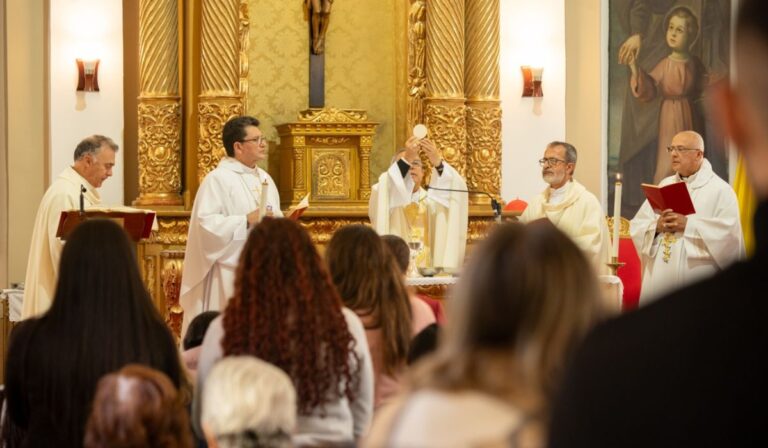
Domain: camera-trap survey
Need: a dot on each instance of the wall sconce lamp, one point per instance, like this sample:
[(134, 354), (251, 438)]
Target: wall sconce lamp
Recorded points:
[(87, 75), (532, 81)]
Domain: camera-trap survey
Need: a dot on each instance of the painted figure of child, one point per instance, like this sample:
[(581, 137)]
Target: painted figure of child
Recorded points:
[(679, 79)]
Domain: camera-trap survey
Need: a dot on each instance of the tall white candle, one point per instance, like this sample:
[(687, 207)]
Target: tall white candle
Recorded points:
[(616, 216), (263, 200)]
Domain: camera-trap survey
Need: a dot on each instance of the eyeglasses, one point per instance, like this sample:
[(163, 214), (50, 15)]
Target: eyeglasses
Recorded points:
[(258, 140), (680, 149), (551, 161)]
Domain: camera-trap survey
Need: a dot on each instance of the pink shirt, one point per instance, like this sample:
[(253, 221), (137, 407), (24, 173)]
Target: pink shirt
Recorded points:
[(386, 386)]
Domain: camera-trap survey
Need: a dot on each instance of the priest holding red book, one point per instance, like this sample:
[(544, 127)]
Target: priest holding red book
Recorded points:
[(676, 249)]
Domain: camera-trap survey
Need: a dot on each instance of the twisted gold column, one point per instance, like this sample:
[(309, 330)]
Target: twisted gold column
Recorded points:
[(223, 75), (159, 104), (445, 112), (483, 105)]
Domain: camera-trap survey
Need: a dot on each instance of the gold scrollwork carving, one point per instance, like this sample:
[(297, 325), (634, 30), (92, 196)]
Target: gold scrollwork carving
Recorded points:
[(330, 141), (170, 275), (439, 292), (331, 175), (365, 172), (333, 115), (484, 149), (417, 78), (447, 126), (160, 150), (445, 49), (149, 272), (298, 168), (482, 50), (244, 36), (213, 114), (170, 231), (479, 228), (321, 229), (623, 230)]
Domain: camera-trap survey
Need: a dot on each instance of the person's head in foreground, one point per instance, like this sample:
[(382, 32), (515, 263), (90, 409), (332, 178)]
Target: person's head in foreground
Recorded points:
[(137, 407), (101, 319), (399, 249), (197, 329), (286, 311), (743, 107), (526, 299), (371, 283), (248, 403)]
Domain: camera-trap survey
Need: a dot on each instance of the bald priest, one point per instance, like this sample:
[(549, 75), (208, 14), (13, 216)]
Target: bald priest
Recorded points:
[(676, 249)]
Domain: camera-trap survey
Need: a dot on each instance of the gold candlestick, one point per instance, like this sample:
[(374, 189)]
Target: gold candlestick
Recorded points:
[(615, 264)]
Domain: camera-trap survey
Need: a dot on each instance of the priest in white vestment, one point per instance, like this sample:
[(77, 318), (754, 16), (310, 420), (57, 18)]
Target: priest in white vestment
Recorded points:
[(437, 218), (94, 159), (569, 206), (676, 249), (227, 204)]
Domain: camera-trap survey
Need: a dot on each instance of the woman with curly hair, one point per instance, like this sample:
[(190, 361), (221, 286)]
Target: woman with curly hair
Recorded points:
[(370, 283), (286, 311), (526, 299), (137, 407)]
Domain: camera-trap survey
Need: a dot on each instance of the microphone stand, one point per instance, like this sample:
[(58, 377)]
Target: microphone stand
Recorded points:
[(82, 201), (495, 205)]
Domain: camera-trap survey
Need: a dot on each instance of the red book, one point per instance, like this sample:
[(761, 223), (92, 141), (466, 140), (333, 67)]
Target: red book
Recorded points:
[(673, 196)]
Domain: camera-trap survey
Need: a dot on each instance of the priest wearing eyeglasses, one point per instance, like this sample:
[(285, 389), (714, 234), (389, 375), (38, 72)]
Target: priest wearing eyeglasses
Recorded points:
[(676, 249), (570, 206), (229, 201)]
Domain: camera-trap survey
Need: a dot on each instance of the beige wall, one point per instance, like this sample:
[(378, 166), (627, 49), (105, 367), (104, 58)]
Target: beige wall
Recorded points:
[(26, 124), (583, 103), (360, 66)]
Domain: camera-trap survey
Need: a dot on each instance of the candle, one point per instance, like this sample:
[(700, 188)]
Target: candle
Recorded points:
[(616, 217), (263, 200)]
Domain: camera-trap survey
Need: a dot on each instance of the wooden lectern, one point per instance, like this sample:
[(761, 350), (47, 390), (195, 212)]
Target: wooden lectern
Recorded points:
[(138, 223)]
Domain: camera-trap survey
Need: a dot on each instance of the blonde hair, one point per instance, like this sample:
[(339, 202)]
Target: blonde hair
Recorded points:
[(527, 298), (246, 399)]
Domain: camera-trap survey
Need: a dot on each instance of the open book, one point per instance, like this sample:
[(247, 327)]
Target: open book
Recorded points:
[(297, 211), (673, 196)]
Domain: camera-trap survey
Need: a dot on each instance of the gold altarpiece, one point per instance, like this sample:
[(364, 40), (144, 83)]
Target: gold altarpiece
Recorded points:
[(194, 66)]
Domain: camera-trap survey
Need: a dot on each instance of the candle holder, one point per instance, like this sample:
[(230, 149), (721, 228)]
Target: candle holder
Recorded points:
[(615, 264)]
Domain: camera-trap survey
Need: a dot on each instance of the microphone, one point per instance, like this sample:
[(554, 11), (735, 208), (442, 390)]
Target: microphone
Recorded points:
[(82, 200), (495, 205)]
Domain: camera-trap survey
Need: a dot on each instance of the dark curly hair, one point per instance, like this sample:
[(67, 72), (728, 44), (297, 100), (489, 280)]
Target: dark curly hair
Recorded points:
[(135, 407), (286, 311), (370, 282)]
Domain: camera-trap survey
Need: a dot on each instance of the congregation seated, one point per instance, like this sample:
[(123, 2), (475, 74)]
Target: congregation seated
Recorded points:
[(423, 343), (373, 286), (137, 407), (526, 298), (193, 341), (286, 311), (248, 403), (101, 319), (402, 253)]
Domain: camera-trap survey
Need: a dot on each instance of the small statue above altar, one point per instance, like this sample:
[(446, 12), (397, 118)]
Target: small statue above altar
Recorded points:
[(319, 14)]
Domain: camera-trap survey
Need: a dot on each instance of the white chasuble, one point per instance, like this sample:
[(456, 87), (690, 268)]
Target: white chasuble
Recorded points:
[(446, 232), (218, 229), (45, 249), (712, 238), (580, 216)]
